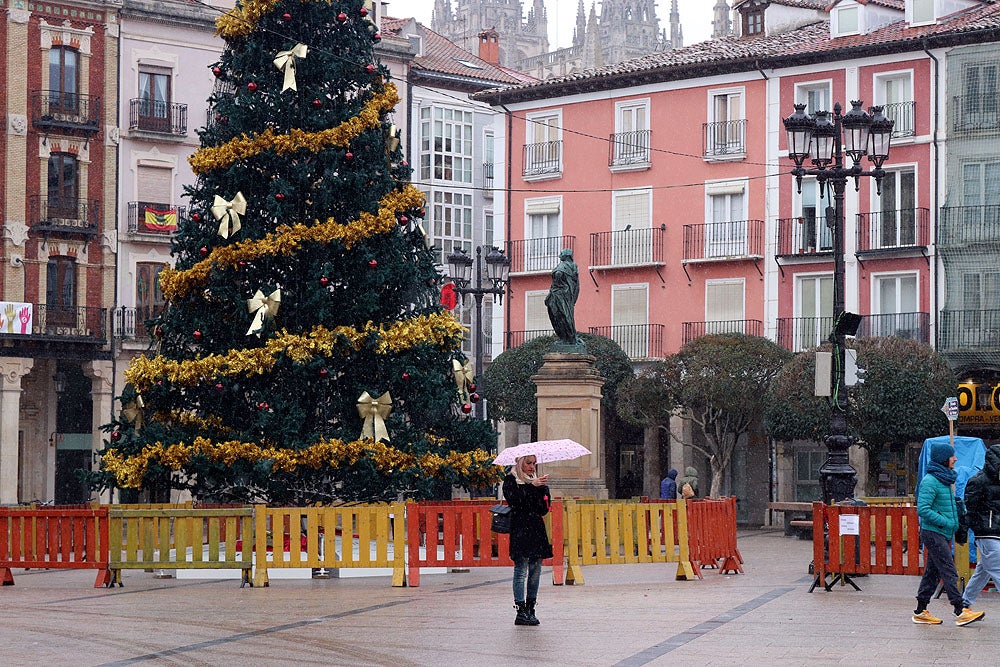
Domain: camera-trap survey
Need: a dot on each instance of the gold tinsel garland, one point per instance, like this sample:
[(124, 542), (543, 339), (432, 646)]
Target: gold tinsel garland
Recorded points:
[(287, 239), (242, 20), (244, 146), (129, 471), (440, 329)]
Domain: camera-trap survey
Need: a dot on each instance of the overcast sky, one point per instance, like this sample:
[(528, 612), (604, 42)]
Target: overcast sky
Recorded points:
[(696, 16)]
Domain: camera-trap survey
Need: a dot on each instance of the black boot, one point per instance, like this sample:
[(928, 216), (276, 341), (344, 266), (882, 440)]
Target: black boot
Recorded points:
[(522, 617), (530, 608)]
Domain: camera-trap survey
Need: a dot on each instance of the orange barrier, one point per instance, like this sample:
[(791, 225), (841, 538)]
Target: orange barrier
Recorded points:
[(54, 539), (712, 535), (457, 534)]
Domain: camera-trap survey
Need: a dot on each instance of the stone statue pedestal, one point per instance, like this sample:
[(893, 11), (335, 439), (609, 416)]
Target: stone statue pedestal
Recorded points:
[(568, 389)]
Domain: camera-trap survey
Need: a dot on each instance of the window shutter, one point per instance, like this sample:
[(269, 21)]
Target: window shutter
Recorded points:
[(154, 184), (536, 317), (629, 305)]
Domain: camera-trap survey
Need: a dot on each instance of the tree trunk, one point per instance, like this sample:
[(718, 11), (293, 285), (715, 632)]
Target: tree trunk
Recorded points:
[(717, 477)]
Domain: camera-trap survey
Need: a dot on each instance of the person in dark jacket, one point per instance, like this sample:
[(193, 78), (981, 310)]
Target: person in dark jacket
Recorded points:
[(528, 497), (690, 477), (938, 513), (668, 487), (982, 505)]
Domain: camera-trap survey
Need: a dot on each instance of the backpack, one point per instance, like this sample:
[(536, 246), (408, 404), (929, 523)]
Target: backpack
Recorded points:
[(687, 491), (500, 521)]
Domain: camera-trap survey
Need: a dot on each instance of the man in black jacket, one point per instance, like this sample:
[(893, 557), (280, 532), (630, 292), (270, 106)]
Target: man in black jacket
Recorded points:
[(982, 504)]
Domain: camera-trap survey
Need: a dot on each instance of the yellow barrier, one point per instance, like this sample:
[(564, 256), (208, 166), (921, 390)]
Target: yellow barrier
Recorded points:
[(602, 533), (325, 537), (179, 539)]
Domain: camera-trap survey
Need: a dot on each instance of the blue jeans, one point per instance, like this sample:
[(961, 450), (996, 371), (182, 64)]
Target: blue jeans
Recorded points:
[(940, 566), (987, 565), (529, 569)]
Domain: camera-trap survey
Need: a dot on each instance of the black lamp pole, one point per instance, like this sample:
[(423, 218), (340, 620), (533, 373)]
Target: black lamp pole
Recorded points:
[(497, 276), (826, 142)]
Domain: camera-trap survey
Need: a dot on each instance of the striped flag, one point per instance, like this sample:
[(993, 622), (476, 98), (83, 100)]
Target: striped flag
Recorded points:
[(161, 221)]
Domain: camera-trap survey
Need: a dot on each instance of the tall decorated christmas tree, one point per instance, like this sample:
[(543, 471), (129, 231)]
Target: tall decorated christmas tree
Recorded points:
[(304, 355)]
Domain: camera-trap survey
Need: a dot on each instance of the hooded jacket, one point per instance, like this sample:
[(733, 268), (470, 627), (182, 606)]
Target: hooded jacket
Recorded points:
[(690, 477), (982, 497), (668, 487), (935, 500)]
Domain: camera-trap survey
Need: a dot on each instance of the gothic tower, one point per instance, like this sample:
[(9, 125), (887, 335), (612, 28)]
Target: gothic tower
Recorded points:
[(722, 24), (461, 21), (628, 29), (676, 30)]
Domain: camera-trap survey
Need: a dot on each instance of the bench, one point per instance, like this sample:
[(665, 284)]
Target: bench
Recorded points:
[(798, 517)]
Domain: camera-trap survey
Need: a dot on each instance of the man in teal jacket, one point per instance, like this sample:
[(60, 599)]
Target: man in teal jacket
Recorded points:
[(939, 517)]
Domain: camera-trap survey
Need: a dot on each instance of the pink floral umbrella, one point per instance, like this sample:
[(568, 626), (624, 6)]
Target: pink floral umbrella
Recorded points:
[(544, 451)]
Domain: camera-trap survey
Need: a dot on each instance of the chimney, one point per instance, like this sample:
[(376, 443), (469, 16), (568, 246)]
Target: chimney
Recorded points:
[(489, 46)]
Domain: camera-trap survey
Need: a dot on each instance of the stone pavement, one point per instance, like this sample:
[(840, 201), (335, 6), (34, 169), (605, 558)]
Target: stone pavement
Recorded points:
[(630, 616)]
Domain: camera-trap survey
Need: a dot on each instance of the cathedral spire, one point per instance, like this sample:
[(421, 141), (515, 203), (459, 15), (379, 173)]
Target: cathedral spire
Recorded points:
[(722, 24), (580, 31), (441, 15), (676, 31)]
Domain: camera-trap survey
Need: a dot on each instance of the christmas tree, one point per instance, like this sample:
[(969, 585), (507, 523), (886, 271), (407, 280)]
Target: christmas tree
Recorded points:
[(304, 355)]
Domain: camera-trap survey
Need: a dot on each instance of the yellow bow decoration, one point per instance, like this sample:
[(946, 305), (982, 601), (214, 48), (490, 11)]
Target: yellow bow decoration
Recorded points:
[(262, 306), (392, 142), (133, 411), (374, 411), (228, 214), (285, 61), (464, 376)]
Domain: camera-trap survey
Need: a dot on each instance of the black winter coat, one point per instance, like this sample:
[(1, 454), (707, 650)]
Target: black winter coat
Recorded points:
[(982, 497), (528, 504)]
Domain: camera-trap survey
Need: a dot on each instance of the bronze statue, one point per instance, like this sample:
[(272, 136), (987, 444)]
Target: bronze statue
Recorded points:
[(562, 297)]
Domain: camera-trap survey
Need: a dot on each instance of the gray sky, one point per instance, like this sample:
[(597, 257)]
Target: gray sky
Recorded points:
[(696, 16)]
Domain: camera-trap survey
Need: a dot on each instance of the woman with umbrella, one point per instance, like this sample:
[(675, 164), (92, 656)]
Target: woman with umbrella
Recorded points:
[(528, 497)]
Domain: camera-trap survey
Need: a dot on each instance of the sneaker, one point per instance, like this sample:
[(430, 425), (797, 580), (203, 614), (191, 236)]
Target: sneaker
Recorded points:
[(926, 618), (968, 616)]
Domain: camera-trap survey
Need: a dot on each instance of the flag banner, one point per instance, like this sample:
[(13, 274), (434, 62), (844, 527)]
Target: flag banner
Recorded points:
[(16, 318), (161, 221)]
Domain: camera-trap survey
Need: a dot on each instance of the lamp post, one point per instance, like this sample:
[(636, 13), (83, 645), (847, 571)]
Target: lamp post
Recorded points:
[(463, 269), (826, 142)]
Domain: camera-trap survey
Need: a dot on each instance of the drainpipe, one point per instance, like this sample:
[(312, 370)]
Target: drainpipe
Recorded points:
[(936, 190), (508, 193)]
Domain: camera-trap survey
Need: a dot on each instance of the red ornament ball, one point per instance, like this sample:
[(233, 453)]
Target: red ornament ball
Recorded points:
[(348, 156), (159, 332), (403, 220), (159, 383), (377, 37), (197, 334), (324, 281), (370, 68), (317, 103), (474, 398), (217, 71), (406, 377), (324, 373), (279, 196), (472, 387), (363, 11), (405, 163), (467, 408), (342, 17), (252, 87), (224, 120), (203, 250), (372, 263), (286, 17), (196, 217), (116, 436), (242, 264), (218, 386)]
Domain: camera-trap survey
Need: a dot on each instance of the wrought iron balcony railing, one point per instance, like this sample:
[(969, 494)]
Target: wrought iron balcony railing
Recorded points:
[(725, 138), (901, 114), (694, 330), (629, 148), (892, 230), (518, 338), (968, 225), (157, 116), (915, 326), (968, 330), (803, 333), (130, 323), (85, 324), (488, 179), (628, 247), (720, 240), (67, 216), (66, 112), (971, 114), (639, 341), (153, 218), (538, 255), (542, 159), (804, 235)]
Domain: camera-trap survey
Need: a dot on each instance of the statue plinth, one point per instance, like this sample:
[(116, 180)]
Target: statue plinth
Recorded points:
[(568, 389)]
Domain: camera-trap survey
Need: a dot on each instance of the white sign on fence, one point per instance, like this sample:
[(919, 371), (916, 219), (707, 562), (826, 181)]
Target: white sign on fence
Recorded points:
[(849, 524)]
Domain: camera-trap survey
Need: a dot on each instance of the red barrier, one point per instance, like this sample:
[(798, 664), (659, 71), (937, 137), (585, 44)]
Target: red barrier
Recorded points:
[(462, 538), (712, 535), (54, 539)]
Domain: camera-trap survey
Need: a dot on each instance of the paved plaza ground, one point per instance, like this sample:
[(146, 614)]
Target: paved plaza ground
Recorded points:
[(624, 615)]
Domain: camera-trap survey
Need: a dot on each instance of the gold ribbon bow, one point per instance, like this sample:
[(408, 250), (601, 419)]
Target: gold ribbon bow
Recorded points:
[(374, 411), (463, 377), (285, 61), (228, 214), (262, 306), (392, 142), (133, 411)]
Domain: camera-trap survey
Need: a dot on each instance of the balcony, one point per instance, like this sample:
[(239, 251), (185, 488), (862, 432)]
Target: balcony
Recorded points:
[(487, 179), (901, 114), (542, 160), (915, 326), (973, 114), (153, 218), (52, 110), (537, 255), (904, 229), (130, 323), (968, 330), (518, 338), (157, 116), (724, 140), (741, 239), (803, 333), (969, 225), (70, 217), (629, 149), (639, 341), (71, 324), (628, 248), (694, 330), (804, 235)]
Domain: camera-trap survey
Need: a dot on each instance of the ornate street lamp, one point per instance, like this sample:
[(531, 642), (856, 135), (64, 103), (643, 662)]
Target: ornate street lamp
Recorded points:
[(855, 134)]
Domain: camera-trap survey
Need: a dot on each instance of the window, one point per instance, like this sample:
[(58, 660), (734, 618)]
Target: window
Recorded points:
[(727, 225), (488, 159), (452, 224), (536, 315), (488, 238), (816, 96), (812, 233), (446, 144), (631, 233), (814, 311), (807, 465), (724, 306), (630, 319), (980, 295), (64, 72), (895, 93), (980, 197), (725, 131), (631, 139), (543, 235), (149, 302), (895, 306), (543, 147), (154, 99), (897, 210), (847, 21), (60, 292), (753, 21), (980, 106), (923, 11), (63, 187)]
